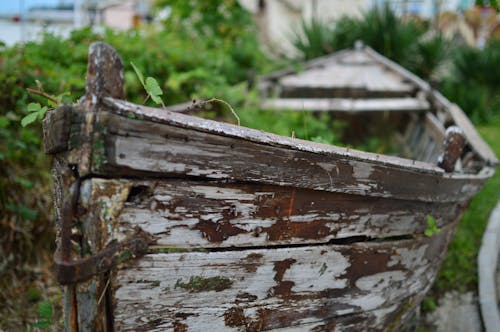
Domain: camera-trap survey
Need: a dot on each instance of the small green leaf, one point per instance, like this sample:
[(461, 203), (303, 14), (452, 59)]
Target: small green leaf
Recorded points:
[(30, 118), (34, 107), (41, 113), (154, 90), (431, 227), (139, 74), (153, 87), (44, 310)]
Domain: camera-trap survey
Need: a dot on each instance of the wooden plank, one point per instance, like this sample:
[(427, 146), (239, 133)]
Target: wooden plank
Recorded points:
[(347, 104), (161, 116), (421, 147), (434, 127), (396, 68), (370, 77), (146, 147), (430, 154), (472, 136), (341, 80), (190, 214), (317, 62), (261, 289)]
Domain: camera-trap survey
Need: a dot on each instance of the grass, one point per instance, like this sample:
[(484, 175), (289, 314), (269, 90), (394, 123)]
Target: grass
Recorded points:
[(459, 270)]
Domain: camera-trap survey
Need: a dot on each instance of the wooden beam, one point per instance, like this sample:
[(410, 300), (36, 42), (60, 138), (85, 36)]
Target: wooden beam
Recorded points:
[(130, 146), (348, 105), (472, 136), (189, 214)]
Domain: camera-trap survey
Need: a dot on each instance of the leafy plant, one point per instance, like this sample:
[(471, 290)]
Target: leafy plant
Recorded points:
[(151, 86), (474, 82), (379, 28), (432, 228), (427, 55), (313, 38), (37, 112)]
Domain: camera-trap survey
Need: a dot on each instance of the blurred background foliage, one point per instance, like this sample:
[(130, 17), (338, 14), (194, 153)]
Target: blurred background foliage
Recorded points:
[(204, 49)]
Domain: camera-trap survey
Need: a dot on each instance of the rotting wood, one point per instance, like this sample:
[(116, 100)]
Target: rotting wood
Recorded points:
[(435, 128), (271, 288), (154, 148), (190, 214), (347, 105)]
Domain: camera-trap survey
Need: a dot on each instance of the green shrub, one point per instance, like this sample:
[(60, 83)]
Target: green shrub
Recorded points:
[(380, 28), (474, 81)]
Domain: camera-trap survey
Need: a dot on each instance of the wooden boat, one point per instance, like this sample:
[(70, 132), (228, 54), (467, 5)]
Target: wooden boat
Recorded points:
[(168, 221)]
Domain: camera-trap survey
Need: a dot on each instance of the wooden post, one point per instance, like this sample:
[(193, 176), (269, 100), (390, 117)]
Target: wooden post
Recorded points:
[(104, 79), (454, 143), (70, 137)]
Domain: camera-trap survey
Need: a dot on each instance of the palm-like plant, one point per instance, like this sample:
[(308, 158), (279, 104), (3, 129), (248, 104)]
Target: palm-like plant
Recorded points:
[(313, 38)]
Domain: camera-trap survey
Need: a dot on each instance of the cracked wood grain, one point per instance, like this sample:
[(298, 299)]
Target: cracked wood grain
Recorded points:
[(159, 148), (190, 214), (277, 288)]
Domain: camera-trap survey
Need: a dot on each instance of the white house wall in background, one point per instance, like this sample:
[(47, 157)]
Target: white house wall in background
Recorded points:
[(277, 19)]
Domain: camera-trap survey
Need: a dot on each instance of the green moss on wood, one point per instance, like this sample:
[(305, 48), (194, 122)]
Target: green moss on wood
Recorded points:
[(201, 284)]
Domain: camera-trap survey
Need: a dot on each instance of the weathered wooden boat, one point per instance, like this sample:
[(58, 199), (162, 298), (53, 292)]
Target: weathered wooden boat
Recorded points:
[(168, 221)]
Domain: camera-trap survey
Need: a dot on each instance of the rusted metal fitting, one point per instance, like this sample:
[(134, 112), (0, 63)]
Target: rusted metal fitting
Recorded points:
[(75, 271), (69, 271)]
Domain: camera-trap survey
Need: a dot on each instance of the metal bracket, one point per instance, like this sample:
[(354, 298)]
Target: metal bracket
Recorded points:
[(70, 271)]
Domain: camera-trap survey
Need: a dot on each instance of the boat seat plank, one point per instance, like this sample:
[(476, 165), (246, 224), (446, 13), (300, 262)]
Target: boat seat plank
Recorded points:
[(253, 289), (342, 76), (347, 104)]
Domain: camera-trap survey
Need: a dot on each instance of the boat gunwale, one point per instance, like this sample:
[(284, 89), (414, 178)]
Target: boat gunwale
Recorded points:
[(176, 119)]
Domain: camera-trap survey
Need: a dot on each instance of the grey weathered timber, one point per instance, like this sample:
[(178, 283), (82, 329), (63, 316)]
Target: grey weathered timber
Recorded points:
[(197, 225), (263, 289), (348, 105), (194, 150), (250, 215)]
